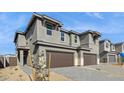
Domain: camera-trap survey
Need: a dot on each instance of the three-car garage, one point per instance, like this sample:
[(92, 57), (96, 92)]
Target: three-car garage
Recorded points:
[(67, 59)]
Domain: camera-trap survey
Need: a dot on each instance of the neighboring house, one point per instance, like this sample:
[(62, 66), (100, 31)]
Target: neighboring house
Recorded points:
[(45, 35), (107, 51), (119, 48)]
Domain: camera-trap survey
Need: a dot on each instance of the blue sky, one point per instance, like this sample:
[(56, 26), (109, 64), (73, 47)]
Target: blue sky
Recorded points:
[(111, 25)]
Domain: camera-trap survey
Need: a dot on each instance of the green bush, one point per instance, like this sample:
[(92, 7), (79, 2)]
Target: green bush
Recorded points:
[(122, 59)]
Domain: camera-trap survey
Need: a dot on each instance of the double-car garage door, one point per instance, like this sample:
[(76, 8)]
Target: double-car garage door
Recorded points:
[(60, 59), (90, 59)]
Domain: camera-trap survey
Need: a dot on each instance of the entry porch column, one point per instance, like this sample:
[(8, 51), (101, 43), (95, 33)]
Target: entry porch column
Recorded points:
[(21, 57)]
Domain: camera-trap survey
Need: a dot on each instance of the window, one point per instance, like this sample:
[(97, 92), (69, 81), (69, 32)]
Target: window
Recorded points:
[(75, 39), (62, 36), (49, 26), (49, 29), (107, 45), (49, 32), (26, 43), (30, 38), (113, 47)]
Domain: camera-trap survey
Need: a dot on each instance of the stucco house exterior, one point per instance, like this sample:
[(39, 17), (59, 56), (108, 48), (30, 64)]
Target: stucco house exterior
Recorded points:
[(119, 47), (107, 51), (45, 35)]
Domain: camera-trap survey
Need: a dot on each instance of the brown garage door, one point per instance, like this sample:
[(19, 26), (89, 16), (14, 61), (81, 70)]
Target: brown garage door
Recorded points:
[(60, 59), (90, 59)]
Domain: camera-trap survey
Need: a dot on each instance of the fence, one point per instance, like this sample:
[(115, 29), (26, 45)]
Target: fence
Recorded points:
[(8, 61), (1, 62)]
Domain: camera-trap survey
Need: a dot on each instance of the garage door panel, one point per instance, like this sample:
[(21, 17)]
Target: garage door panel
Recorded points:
[(60, 59), (90, 59), (112, 58)]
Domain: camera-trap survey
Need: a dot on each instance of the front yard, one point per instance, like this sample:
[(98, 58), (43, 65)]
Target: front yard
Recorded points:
[(102, 72), (16, 74), (13, 73)]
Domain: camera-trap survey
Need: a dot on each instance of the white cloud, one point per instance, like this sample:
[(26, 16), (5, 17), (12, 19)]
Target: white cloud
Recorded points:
[(96, 15)]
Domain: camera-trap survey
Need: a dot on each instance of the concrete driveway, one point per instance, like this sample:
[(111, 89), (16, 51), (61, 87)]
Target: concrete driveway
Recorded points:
[(102, 72)]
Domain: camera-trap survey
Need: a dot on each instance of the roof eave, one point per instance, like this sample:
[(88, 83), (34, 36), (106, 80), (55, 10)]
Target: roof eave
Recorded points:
[(73, 32), (105, 40), (16, 35), (49, 18), (40, 16), (90, 31)]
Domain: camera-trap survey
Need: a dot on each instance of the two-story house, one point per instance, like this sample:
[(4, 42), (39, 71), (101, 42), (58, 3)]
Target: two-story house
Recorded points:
[(119, 47), (107, 51), (45, 36)]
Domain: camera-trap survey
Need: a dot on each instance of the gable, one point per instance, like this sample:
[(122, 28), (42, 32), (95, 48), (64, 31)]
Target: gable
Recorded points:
[(16, 36)]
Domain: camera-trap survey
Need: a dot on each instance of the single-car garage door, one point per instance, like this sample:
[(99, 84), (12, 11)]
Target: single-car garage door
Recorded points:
[(112, 58), (90, 59), (60, 59)]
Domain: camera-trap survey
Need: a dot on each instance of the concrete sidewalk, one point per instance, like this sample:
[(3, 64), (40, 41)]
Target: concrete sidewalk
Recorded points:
[(58, 77)]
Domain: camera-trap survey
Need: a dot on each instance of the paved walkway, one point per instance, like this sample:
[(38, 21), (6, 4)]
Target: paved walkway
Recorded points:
[(58, 77), (102, 72)]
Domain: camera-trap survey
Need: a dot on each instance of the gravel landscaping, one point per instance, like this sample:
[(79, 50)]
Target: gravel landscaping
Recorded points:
[(16, 73), (13, 73)]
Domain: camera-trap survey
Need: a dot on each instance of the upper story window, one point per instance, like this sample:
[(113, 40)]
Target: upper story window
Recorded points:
[(113, 47), (107, 45), (62, 36), (49, 26), (49, 29), (26, 43), (75, 39), (30, 38)]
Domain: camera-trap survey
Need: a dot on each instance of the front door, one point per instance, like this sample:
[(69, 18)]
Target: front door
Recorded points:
[(25, 57)]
